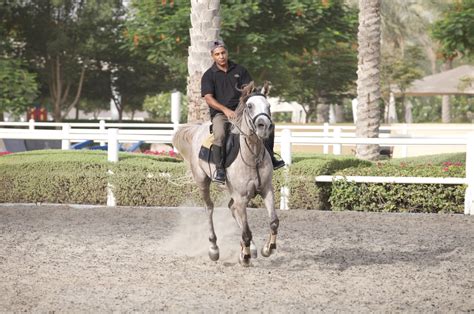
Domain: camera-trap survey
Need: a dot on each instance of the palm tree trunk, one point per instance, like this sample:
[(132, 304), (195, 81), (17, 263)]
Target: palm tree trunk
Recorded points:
[(368, 77), (445, 102), (205, 28)]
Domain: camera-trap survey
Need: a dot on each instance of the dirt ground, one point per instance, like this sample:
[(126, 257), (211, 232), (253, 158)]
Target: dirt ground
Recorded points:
[(83, 258)]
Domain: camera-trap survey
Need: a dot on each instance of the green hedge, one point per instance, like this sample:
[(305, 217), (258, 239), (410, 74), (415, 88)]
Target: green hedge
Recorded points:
[(81, 177), (431, 198), (304, 193)]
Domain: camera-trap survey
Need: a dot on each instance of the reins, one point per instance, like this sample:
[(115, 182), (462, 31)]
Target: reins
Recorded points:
[(250, 122)]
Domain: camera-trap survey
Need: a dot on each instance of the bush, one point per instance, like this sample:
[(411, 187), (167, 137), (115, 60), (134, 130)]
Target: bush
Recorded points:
[(431, 198), (54, 176), (304, 193), (81, 177)]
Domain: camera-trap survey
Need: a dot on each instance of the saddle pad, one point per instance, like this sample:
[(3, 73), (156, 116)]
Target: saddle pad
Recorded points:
[(231, 151)]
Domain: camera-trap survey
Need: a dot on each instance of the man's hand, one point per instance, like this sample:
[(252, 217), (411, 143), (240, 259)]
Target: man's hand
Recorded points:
[(230, 114), (213, 103)]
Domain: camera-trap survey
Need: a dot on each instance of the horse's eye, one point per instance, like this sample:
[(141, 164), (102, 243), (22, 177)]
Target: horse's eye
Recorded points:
[(249, 105)]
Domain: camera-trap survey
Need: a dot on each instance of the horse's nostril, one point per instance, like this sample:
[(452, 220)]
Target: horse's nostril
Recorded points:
[(261, 125)]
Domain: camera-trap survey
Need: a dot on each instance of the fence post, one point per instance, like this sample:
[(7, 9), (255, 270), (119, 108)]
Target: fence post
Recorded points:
[(469, 197), (112, 156), (285, 147), (175, 109), (325, 134), (102, 130), (337, 148), (31, 124), (405, 147), (66, 143)]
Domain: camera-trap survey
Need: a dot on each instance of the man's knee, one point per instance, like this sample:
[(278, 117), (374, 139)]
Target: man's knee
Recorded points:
[(219, 129)]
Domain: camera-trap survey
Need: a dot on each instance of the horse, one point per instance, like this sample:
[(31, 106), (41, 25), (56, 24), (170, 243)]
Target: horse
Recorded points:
[(250, 173)]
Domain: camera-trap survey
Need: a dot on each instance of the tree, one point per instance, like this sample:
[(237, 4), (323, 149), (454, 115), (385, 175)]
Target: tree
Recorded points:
[(18, 87), (400, 71), (368, 77), (455, 34), (159, 106), (311, 52), (59, 38), (309, 57), (205, 21)]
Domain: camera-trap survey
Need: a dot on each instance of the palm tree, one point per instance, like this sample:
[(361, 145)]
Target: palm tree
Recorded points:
[(368, 77), (205, 28)]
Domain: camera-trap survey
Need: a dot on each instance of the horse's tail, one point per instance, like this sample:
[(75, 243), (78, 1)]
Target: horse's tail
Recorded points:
[(183, 139)]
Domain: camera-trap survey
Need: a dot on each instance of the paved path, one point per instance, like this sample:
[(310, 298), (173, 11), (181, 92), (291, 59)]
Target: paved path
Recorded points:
[(67, 258)]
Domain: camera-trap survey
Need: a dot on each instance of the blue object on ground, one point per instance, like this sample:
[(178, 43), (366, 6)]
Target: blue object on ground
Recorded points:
[(82, 145)]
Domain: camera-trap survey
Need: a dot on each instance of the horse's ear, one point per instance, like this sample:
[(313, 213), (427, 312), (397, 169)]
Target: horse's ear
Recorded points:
[(248, 89), (267, 85)]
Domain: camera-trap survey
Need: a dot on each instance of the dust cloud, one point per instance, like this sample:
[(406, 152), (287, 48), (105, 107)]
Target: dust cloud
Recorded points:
[(190, 236)]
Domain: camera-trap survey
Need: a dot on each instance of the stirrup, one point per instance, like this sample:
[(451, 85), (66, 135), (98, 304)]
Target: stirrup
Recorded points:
[(219, 176)]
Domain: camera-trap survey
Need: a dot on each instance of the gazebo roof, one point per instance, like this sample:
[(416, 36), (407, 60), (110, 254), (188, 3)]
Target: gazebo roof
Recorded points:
[(458, 81)]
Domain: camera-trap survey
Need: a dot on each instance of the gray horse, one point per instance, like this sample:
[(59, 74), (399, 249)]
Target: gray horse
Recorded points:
[(250, 174)]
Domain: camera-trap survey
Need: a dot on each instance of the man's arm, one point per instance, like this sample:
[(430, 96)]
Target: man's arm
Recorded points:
[(213, 103)]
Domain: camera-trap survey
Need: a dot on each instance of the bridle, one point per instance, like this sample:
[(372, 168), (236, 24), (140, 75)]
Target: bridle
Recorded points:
[(249, 120)]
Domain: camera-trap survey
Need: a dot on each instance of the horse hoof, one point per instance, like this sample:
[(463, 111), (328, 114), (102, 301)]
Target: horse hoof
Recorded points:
[(214, 254), (266, 251), (244, 260), (253, 250)]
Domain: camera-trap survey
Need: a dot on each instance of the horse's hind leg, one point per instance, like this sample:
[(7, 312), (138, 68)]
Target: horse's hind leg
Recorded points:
[(206, 196), (270, 245)]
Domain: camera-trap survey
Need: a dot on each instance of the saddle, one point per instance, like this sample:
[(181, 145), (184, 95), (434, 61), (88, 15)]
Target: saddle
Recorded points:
[(232, 147)]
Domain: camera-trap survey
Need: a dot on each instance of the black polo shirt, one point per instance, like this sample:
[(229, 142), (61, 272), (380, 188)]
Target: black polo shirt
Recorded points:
[(223, 85)]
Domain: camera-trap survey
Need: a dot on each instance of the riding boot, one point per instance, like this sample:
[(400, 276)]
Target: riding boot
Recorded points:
[(269, 143), (218, 158)]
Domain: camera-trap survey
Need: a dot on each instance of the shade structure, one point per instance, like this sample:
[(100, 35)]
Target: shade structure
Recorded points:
[(457, 81)]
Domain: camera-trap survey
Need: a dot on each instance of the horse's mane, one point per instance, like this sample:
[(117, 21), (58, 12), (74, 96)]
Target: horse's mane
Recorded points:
[(247, 90)]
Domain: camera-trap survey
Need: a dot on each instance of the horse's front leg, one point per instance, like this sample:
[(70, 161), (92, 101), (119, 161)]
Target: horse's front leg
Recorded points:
[(270, 245), (253, 247), (239, 211), (206, 196)]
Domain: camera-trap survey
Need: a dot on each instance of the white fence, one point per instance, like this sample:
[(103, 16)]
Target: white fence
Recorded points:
[(113, 133)]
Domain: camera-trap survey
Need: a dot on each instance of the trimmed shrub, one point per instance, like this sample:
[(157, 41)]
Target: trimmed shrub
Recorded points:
[(54, 176), (81, 177), (304, 193), (430, 198)]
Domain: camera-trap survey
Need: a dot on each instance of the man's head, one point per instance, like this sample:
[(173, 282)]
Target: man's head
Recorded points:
[(219, 53)]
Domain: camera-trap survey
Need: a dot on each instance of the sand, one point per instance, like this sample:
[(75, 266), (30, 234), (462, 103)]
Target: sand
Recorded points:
[(90, 259)]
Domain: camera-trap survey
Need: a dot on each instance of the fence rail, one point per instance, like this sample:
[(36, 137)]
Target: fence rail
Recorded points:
[(162, 133)]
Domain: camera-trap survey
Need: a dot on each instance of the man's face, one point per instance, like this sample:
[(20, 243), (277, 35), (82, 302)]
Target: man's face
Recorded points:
[(219, 55)]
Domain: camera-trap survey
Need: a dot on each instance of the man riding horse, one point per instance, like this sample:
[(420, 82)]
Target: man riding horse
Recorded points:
[(221, 87)]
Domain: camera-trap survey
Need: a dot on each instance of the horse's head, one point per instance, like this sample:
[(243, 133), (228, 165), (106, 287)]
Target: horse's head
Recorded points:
[(256, 109)]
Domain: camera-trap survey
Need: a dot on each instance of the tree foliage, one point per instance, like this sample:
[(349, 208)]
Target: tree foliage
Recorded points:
[(455, 30), (159, 106), (18, 87)]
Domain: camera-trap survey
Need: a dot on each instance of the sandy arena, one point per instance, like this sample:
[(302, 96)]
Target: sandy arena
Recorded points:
[(96, 259)]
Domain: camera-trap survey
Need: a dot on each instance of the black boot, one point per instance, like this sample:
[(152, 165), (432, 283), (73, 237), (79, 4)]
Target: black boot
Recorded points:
[(218, 158), (269, 142)]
